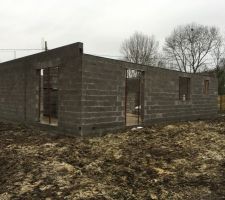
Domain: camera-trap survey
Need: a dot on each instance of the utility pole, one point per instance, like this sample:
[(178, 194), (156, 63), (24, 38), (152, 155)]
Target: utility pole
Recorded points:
[(46, 46)]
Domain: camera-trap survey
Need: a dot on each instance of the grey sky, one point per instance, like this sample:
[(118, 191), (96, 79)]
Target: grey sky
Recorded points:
[(100, 24)]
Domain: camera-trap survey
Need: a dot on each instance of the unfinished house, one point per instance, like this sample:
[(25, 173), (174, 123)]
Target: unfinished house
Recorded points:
[(85, 94)]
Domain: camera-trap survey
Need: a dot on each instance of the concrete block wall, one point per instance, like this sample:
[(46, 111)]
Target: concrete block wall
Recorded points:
[(12, 100), (70, 82), (162, 101), (50, 91), (103, 94), (19, 86)]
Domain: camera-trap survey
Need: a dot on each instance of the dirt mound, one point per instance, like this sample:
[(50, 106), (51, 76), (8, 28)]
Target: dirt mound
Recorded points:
[(176, 161)]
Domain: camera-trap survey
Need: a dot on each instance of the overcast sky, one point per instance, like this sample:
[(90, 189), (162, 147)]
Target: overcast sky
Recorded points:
[(100, 24)]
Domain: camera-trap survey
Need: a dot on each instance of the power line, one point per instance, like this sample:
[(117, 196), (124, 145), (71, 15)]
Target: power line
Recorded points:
[(14, 50), (21, 49)]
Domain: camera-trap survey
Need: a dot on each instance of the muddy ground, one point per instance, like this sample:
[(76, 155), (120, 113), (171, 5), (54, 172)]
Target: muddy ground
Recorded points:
[(175, 161)]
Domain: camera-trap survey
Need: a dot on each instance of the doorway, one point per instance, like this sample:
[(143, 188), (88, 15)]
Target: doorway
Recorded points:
[(134, 97), (48, 96)]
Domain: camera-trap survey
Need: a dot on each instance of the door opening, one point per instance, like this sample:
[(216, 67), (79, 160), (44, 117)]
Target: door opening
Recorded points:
[(48, 96), (134, 97)]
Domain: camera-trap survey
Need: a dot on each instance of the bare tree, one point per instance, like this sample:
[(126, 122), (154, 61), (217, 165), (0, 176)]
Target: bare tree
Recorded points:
[(218, 53), (190, 47), (140, 49)]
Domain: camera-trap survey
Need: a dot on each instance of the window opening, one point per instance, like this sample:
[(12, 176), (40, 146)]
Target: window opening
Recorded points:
[(206, 87), (184, 88)]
